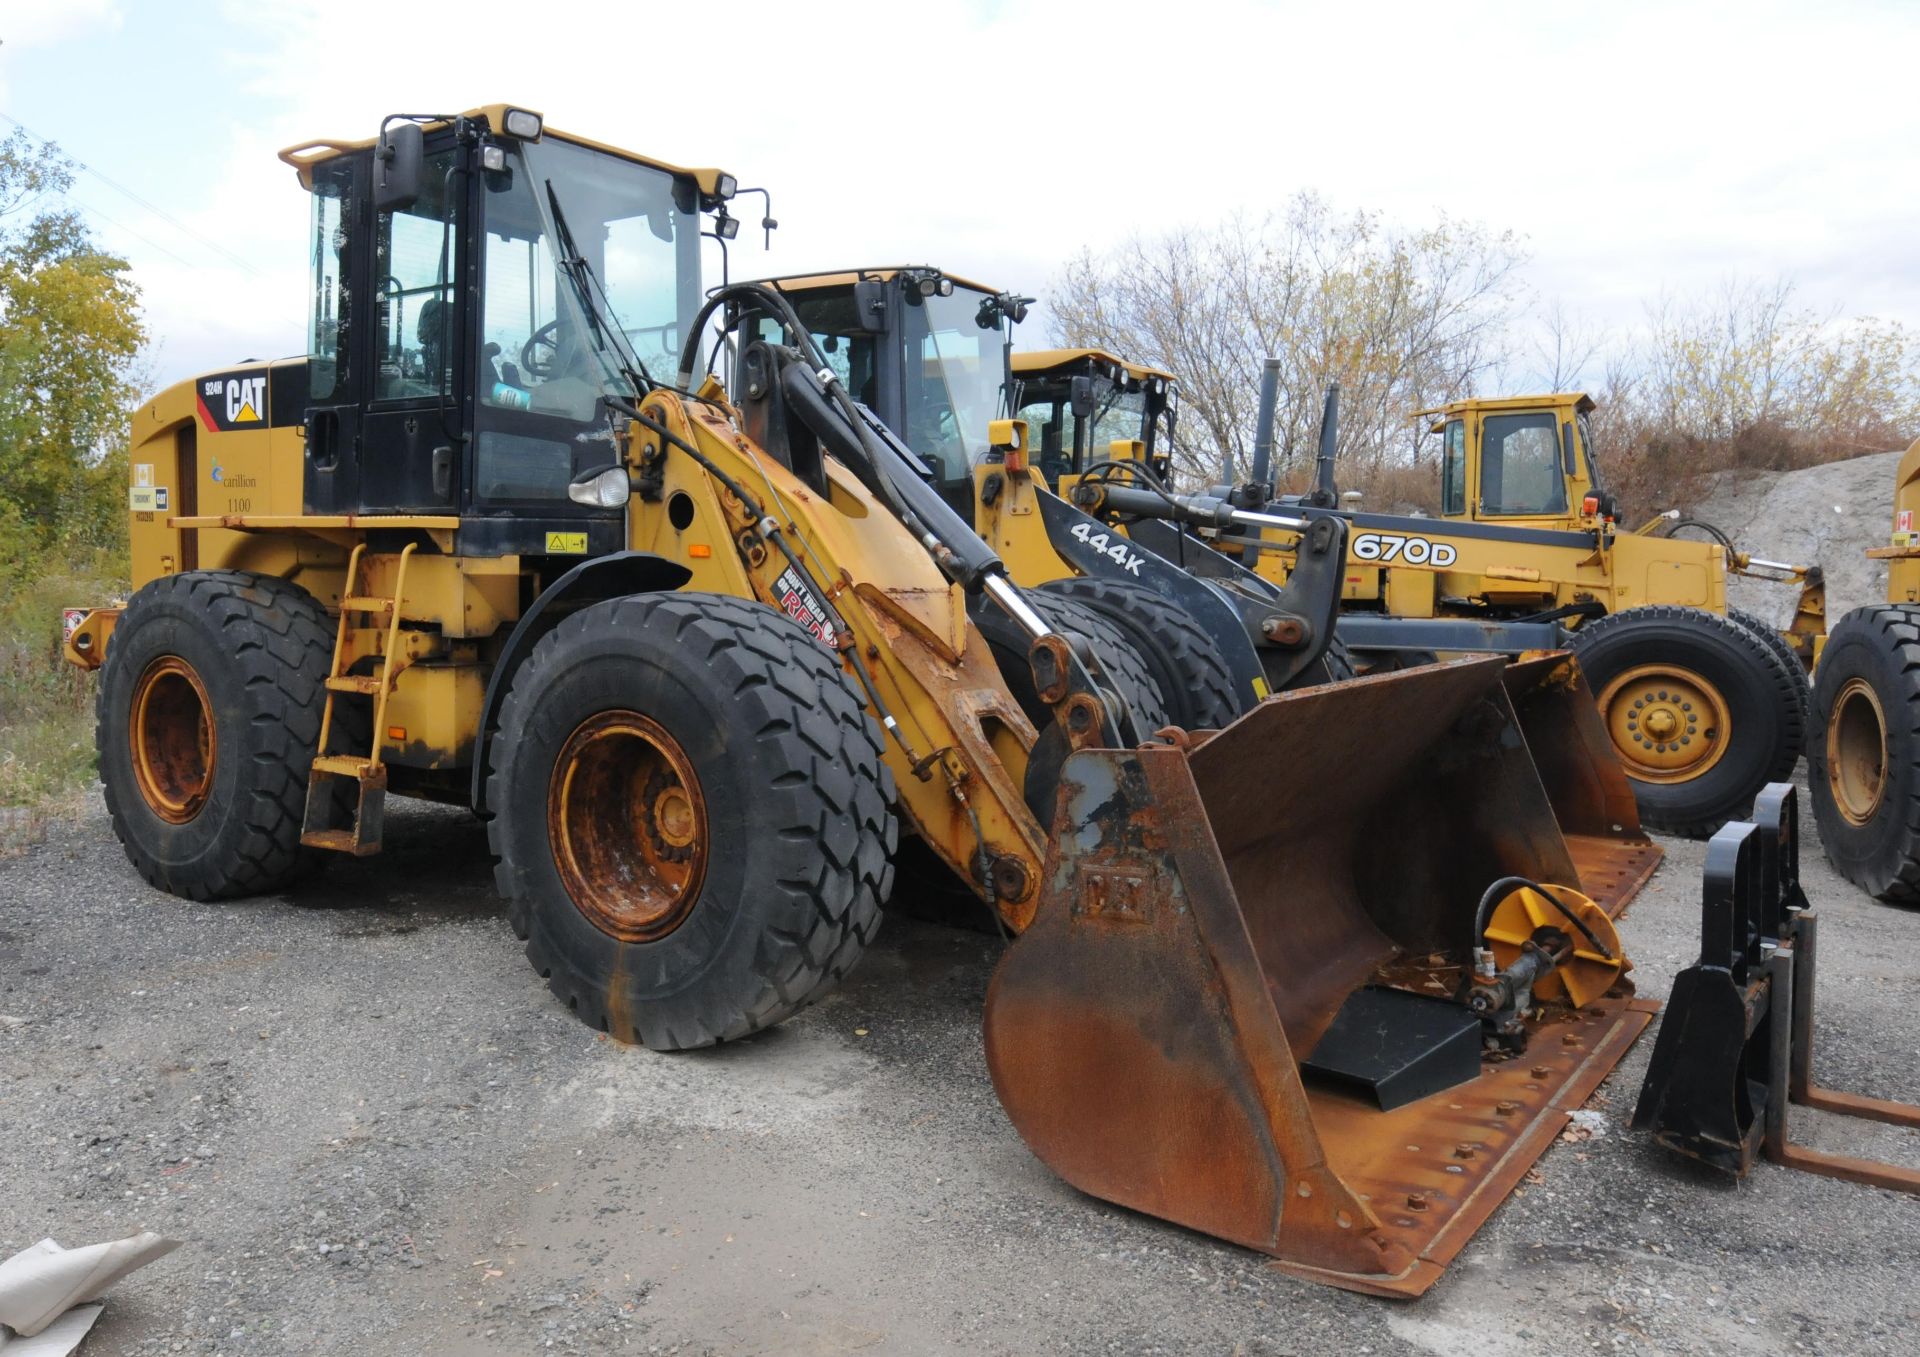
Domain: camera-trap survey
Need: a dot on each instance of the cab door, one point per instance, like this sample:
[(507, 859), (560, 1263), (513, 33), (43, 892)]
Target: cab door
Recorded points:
[(331, 463), (1523, 466), (410, 435)]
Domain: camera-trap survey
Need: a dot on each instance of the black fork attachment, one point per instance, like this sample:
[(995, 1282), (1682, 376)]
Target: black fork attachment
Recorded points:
[(1736, 1045)]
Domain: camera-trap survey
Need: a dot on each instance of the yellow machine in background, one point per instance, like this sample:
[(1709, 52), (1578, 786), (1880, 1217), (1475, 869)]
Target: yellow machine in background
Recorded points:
[(1703, 704), (1864, 752), (1081, 403), (700, 652)]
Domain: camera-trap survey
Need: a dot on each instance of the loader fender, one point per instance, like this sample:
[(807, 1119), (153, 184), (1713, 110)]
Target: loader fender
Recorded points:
[(594, 581)]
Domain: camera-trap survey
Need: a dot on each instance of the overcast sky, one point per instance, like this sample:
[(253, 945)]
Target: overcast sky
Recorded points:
[(1636, 147)]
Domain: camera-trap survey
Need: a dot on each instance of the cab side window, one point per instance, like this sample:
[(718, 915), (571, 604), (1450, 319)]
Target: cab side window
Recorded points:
[(1453, 470), (413, 295), (1520, 470)]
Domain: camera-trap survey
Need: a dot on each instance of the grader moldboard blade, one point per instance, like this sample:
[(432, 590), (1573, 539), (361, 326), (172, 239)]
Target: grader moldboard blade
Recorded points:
[(1209, 911)]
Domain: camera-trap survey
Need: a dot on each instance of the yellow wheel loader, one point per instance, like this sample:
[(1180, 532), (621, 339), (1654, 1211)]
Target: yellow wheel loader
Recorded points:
[(1863, 755), (1703, 705), (931, 354), (698, 654)]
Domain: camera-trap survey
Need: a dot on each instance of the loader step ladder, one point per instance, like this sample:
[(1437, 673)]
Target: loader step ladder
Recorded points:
[(362, 836)]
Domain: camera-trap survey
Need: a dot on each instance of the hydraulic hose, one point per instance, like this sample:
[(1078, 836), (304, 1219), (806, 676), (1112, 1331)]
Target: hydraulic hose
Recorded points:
[(1484, 914)]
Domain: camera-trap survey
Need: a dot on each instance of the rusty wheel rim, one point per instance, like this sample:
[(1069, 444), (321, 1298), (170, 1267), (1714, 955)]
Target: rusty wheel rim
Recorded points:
[(628, 826), (1668, 724), (1857, 752), (172, 740)]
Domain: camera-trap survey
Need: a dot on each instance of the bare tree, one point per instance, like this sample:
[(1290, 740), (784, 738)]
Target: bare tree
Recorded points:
[(1401, 319), (1565, 348)]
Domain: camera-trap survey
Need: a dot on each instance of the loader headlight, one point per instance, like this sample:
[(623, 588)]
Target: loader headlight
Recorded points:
[(607, 488), (725, 186), (522, 123)]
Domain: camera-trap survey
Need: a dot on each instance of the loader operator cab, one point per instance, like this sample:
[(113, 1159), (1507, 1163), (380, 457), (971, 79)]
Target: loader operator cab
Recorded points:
[(1079, 402), (1526, 461), (479, 285), (925, 351)]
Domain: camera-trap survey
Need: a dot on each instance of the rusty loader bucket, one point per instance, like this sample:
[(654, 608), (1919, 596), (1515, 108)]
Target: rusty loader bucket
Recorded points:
[(1241, 1005), (1592, 802)]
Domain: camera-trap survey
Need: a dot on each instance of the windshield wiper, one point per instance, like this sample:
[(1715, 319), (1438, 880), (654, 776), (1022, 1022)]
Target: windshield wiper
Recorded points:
[(575, 265), (580, 273)]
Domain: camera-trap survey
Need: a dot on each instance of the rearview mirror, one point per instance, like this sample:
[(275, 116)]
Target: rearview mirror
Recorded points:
[(870, 305), (399, 162), (1082, 396)]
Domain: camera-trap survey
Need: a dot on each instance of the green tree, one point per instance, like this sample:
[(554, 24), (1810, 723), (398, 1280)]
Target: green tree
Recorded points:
[(70, 335)]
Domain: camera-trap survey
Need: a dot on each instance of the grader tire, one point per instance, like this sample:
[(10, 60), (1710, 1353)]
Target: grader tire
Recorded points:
[(1863, 755), (1774, 641), (207, 717), (1700, 710), (1187, 667), (692, 821)]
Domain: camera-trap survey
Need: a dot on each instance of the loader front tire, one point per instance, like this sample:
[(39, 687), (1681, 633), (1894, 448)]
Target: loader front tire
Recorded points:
[(207, 717), (1126, 669), (1700, 711), (1195, 684), (1863, 757), (692, 821)]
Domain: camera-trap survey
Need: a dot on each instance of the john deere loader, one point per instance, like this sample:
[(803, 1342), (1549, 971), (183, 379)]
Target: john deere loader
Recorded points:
[(932, 355), (699, 654)]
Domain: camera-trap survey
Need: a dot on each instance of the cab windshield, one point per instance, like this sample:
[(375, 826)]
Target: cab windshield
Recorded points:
[(1046, 404), (563, 220), (955, 379)]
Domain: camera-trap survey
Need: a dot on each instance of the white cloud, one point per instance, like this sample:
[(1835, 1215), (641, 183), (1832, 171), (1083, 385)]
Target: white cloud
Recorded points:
[(36, 23), (1638, 147)]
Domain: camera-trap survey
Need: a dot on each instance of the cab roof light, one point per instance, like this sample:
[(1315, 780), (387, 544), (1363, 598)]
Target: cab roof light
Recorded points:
[(725, 186), (522, 123)]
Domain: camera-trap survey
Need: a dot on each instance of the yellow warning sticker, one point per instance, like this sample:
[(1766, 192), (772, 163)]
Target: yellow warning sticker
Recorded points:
[(566, 544), (142, 499)]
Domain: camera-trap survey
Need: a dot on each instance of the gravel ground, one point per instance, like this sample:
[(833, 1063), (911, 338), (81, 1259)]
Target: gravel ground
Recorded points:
[(378, 1134)]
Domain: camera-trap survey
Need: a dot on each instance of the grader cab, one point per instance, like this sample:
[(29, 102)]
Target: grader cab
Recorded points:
[(702, 655)]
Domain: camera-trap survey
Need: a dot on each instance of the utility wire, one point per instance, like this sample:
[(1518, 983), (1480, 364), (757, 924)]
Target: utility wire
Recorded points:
[(159, 212)]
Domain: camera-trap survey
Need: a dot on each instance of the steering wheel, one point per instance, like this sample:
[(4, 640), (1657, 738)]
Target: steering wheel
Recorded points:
[(540, 355)]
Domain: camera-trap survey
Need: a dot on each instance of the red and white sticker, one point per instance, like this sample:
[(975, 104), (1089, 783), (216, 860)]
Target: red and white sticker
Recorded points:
[(802, 606)]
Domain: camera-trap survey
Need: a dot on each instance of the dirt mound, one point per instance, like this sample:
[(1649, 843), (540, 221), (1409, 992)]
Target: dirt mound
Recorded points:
[(1827, 515)]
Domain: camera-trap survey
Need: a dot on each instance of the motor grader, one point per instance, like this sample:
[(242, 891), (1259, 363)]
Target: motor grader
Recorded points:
[(698, 656), (1703, 704)]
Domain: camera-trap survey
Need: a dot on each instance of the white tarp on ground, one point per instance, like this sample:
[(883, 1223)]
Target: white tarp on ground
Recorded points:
[(41, 1286)]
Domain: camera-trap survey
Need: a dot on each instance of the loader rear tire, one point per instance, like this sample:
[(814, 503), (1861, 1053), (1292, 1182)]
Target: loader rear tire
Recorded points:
[(1126, 668), (1194, 682), (1863, 756), (693, 823), (1771, 638), (1701, 712), (207, 716)]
